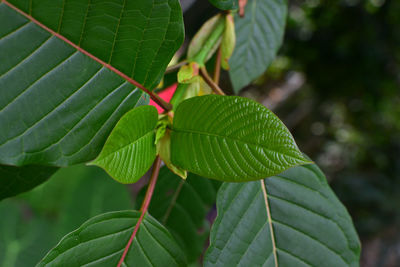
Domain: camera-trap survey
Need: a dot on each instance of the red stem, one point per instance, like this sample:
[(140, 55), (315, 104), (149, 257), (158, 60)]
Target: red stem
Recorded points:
[(166, 106), (242, 5), (210, 82), (217, 70), (144, 207)]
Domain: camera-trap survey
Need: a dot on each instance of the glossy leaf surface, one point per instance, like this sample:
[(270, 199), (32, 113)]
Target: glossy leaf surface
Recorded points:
[(231, 138), (182, 206), (259, 35), (16, 180), (130, 150), (101, 241), (293, 219), (57, 104)]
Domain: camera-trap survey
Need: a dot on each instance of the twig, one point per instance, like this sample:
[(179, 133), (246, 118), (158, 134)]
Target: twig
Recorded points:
[(210, 82), (242, 5), (144, 207), (175, 67), (217, 70)]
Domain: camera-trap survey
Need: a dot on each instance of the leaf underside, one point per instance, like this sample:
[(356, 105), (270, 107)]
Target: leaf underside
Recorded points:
[(16, 180), (310, 227), (58, 105), (101, 241), (130, 150), (182, 206), (259, 35), (231, 138)]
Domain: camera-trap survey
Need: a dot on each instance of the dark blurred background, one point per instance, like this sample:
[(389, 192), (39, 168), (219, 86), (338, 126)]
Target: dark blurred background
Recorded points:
[(336, 84)]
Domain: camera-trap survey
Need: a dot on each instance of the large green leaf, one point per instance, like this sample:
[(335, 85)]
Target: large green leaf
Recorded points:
[(57, 104), (101, 242), (225, 4), (16, 180), (182, 206), (231, 138), (293, 219), (130, 150), (259, 35)]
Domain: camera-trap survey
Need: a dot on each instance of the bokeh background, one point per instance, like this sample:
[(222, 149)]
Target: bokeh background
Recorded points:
[(335, 84)]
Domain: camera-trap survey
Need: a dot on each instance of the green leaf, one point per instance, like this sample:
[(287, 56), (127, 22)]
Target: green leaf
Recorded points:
[(293, 219), (130, 150), (188, 73), (179, 94), (225, 4), (102, 239), (182, 206), (231, 138), (228, 41), (164, 151), (16, 180), (259, 35), (57, 104), (206, 41)]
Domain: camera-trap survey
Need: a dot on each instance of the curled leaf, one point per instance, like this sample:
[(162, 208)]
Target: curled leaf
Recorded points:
[(188, 73), (164, 150), (206, 41), (228, 41)]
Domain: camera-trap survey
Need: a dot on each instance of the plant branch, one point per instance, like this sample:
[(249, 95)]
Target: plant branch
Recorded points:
[(173, 201), (210, 82), (166, 106), (175, 67), (217, 69), (242, 5), (144, 207)]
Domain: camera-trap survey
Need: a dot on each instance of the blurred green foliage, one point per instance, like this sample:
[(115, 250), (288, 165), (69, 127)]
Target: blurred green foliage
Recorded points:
[(32, 223), (348, 52)]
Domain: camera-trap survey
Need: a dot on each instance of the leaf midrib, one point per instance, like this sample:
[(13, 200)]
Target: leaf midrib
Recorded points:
[(77, 47), (229, 138), (269, 216), (125, 146)]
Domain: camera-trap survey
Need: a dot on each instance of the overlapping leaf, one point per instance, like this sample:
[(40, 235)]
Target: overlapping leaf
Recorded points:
[(231, 138), (293, 219), (101, 242), (130, 150), (58, 105), (259, 35), (16, 180), (182, 206)]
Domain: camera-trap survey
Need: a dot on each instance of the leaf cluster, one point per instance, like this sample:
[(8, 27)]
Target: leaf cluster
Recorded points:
[(88, 71)]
